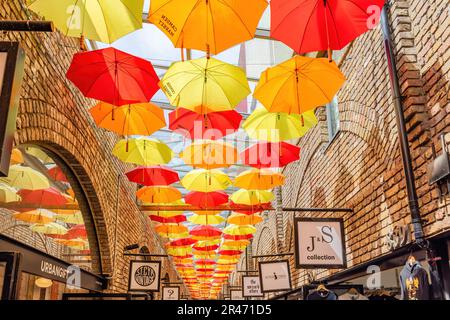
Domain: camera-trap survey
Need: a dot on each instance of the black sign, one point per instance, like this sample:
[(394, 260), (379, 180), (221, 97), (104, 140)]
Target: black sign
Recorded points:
[(12, 59), (144, 276)]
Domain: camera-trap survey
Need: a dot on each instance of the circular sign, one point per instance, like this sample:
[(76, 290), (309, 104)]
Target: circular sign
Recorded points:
[(145, 276)]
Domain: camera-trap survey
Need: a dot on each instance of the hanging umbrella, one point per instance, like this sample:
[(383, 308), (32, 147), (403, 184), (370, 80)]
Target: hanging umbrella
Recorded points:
[(212, 26), (175, 219), (251, 197), (25, 178), (235, 230), (16, 156), (207, 213), (75, 218), (79, 244), (259, 179), (158, 194), (250, 209), (165, 214), (205, 231), (235, 244), (142, 151), (210, 154), (133, 119), (230, 252), (270, 155), (40, 216), (206, 247), (56, 174), (170, 230), (206, 219), (212, 126), (77, 231), (51, 228), (182, 242), (237, 237), (279, 126), (205, 243), (320, 25), (179, 251), (205, 180), (39, 154), (153, 176), (98, 20), (205, 85), (8, 194), (299, 85), (113, 76), (205, 262), (205, 254), (42, 197), (209, 270), (244, 219), (206, 199)]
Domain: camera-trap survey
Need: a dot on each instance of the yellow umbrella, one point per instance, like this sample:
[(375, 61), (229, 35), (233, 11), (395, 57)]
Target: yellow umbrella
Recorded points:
[(299, 85), (8, 194), (276, 127), (49, 228), (207, 243), (251, 197), (206, 219), (75, 218), (207, 213), (212, 26), (235, 243), (134, 119), (205, 85), (179, 251), (16, 157), (40, 216), (25, 178), (99, 20), (205, 254), (239, 230), (142, 151), (39, 154), (209, 154), (206, 180), (244, 219), (259, 179), (164, 214), (158, 194)]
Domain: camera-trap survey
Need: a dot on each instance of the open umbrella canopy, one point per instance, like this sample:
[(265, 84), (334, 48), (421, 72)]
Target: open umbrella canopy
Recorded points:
[(51, 228), (212, 126), (142, 151), (235, 237), (207, 213), (206, 199), (205, 85), (158, 194), (79, 244), (210, 26), (133, 119), (208, 248), (40, 216), (8, 194), (205, 231), (77, 231), (153, 176), (100, 20), (57, 174), (236, 230), (74, 218), (244, 219), (182, 242), (113, 76), (206, 180), (16, 156), (21, 177), (259, 179), (270, 155), (234, 244), (175, 219), (278, 126), (318, 25), (42, 197), (251, 197), (206, 219), (168, 230), (299, 85), (210, 154)]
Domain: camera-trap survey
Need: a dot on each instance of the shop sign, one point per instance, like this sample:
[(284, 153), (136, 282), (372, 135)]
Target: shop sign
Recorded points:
[(171, 293), (236, 294), (251, 286), (319, 243), (275, 276), (398, 237), (12, 59), (144, 276)]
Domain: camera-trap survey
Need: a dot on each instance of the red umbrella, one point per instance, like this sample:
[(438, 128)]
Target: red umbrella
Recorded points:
[(206, 248), (182, 242), (237, 237), (249, 209), (205, 270), (77, 231), (230, 252), (205, 231), (270, 155), (319, 25), (175, 219), (42, 197), (56, 174), (212, 126), (205, 262), (206, 199), (113, 76), (153, 176)]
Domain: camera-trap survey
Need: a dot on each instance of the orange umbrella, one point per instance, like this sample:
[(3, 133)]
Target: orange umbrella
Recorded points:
[(158, 194), (244, 219), (259, 179), (171, 229), (209, 154)]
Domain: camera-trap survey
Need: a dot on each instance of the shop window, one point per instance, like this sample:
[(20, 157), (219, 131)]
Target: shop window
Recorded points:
[(333, 119)]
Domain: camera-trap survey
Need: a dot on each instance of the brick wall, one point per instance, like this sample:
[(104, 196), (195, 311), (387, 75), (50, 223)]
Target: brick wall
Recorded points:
[(53, 115)]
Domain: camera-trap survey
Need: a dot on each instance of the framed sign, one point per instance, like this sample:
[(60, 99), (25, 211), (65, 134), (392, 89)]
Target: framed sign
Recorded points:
[(275, 276), (171, 293), (319, 243), (236, 294), (251, 286), (12, 62), (144, 276)]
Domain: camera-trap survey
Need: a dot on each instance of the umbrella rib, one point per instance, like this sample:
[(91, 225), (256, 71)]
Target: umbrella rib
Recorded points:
[(334, 23)]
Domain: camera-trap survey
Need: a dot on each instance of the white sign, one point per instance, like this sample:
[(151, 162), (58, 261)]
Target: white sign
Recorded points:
[(251, 286), (144, 276), (319, 243), (275, 276), (171, 293), (236, 295)]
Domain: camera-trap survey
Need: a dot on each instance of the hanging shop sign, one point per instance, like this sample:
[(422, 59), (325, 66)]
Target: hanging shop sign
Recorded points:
[(319, 243), (236, 294), (144, 276), (275, 276), (251, 286), (171, 293), (12, 59)]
